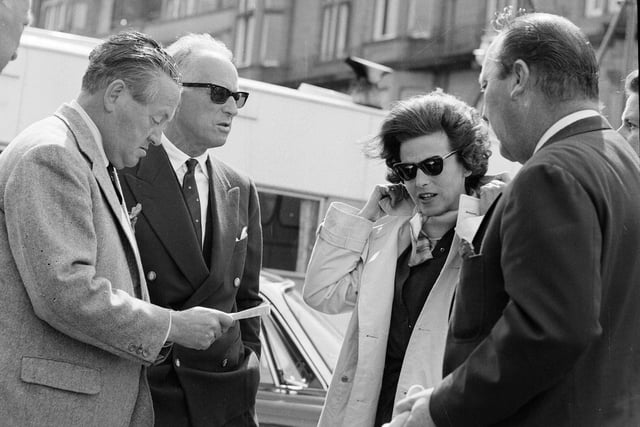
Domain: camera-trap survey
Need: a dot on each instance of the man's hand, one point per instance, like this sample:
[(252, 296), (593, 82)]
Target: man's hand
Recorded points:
[(198, 327), (413, 410)]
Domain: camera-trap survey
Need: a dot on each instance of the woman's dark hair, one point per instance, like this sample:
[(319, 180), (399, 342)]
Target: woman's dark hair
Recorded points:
[(427, 114)]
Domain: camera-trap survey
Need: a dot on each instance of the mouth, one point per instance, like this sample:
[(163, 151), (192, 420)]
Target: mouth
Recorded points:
[(425, 197)]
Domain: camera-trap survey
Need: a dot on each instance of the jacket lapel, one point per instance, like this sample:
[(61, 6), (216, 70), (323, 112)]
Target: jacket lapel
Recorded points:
[(224, 200), (156, 188), (88, 146)]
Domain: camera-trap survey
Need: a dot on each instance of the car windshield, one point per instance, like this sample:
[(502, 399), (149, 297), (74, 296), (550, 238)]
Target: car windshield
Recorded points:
[(325, 331)]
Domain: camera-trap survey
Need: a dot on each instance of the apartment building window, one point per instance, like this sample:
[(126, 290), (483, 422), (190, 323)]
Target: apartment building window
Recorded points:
[(79, 16), (245, 30), (335, 23), (421, 18), (614, 6), (594, 8), (497, 6), (274, 33), (385, 19), (55, 15), (289, 224), (172, 9), (270, 22)]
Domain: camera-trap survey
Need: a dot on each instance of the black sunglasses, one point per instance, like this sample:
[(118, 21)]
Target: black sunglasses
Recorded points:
[(220, 94), (430, 166)]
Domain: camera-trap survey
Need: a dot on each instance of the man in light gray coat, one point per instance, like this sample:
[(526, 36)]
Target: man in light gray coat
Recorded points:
[(76, 326)]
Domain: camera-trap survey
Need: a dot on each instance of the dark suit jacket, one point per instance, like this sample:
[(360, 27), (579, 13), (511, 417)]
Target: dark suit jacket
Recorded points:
[(221, 382), (545, 327)]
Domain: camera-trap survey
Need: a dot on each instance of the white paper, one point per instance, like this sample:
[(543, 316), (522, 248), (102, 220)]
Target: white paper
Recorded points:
[(260, 310), (469, 217)]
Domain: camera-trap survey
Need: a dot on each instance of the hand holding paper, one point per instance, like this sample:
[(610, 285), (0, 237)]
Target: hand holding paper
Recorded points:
[(468, 217), (260, 310)]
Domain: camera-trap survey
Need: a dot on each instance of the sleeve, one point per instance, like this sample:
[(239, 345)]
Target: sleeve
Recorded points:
[(550, 259), (52, 237), (249, 293), (333, 275)]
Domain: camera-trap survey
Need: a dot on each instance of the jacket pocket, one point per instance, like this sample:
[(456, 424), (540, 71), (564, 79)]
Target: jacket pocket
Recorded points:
[(469, 301), (61, 375)]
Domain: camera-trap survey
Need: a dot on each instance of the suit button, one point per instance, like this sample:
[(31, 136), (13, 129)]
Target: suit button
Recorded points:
[(236, 282), (344, 379), (177, 362), (132, 348), (224, 363), (151, 276), (145, 353)]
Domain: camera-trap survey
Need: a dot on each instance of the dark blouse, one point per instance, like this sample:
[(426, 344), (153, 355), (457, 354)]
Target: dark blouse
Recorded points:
[(412, 287)]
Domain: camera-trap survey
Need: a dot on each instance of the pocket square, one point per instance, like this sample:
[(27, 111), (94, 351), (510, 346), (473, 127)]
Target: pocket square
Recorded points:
[(243, 234)]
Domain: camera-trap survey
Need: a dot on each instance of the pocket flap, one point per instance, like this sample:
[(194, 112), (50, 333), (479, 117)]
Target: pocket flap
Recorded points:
[(61, 375)]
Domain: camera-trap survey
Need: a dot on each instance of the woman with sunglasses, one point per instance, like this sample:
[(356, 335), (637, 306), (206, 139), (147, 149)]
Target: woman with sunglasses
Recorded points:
[(395, 262)]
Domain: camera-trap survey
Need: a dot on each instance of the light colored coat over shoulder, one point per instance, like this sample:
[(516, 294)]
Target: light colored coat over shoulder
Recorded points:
[(352, 267)]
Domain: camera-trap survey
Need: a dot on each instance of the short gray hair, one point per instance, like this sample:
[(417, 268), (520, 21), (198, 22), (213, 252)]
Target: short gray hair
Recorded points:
[(182, 48)]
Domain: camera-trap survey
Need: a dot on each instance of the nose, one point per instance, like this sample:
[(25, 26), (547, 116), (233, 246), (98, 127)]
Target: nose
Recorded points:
[(156, 136), (422, 179), (230, 107)]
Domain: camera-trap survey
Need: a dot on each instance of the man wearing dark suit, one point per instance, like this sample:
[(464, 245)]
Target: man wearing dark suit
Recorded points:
[(76, 325), (200, 240), (545, 327)]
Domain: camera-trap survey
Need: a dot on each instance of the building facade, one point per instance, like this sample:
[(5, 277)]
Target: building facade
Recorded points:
[(426, 43), (377, 51)]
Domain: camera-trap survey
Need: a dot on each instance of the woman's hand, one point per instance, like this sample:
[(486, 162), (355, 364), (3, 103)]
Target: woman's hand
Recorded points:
[(491, 188), (389, 196)]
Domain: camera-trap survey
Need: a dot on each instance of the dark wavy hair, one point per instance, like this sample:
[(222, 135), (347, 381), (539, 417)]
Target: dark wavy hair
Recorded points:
[(133, 57), (435, 112), (564, 61)]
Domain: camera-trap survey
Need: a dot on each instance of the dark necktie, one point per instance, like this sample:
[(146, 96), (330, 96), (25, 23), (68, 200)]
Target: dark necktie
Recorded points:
[(191, 197), (112, 174)]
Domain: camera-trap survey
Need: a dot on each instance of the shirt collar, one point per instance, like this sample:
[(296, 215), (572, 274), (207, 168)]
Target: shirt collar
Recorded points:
[(178, 158), (95, 132), (563, 123)]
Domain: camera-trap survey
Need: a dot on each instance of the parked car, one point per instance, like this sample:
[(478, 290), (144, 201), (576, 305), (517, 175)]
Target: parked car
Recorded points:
[(300, 347)]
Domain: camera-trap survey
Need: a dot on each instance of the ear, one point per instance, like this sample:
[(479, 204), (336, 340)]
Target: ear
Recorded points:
[(522, 75), (467, 173), (113, 93)]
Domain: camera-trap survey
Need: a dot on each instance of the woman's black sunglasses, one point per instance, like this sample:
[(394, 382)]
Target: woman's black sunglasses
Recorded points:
[(430, 166), (220, 94)]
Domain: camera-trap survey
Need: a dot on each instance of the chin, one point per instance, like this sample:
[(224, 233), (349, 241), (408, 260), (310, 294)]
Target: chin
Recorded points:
[(431, 211)]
